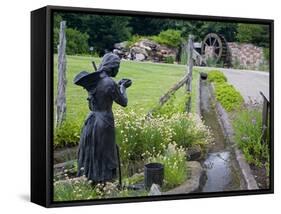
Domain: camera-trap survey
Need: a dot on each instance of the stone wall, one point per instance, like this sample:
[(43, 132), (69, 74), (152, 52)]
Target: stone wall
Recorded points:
[(246, 55)]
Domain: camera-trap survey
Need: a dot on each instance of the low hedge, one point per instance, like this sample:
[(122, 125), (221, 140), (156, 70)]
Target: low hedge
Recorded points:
[(216, 76), (228, 96)]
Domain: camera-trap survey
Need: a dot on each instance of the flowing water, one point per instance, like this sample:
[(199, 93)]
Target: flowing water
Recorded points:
[(220, 166)]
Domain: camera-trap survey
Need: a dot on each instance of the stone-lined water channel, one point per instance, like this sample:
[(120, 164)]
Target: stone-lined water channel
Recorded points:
[(221, 168)]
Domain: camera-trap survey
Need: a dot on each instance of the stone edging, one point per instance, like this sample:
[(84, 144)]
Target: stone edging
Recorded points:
[(191, 185), (246, 172)]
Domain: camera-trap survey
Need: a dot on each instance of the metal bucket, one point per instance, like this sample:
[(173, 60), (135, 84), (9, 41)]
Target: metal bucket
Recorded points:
[(153, 173)]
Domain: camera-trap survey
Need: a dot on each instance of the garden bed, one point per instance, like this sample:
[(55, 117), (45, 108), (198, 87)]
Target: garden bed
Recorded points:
[(66, 188)]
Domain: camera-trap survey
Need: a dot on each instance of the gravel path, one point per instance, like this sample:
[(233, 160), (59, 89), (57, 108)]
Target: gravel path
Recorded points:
[(248, 83)]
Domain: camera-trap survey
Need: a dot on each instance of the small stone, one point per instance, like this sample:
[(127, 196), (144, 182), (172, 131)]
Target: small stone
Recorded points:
[(154, 190)]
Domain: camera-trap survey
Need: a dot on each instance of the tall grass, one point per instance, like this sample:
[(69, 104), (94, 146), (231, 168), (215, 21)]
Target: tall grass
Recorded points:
[(248, 134)]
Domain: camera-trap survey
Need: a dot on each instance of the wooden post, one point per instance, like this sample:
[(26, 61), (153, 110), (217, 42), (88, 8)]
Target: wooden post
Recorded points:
[(189, 71), (265, 113), (61, 100)]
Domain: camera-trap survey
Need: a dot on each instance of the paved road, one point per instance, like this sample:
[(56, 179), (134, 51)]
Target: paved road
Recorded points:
[(248, 83)]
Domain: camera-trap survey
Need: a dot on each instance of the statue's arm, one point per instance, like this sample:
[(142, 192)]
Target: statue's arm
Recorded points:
[(120, 95)]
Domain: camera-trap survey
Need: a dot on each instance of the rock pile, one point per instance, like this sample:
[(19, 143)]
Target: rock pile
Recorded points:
[(146, 50)]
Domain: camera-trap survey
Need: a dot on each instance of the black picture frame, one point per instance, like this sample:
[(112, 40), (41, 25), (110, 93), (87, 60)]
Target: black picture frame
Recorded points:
[(42, 106)]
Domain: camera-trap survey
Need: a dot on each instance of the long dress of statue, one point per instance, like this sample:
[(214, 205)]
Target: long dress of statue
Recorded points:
[(97, 154)]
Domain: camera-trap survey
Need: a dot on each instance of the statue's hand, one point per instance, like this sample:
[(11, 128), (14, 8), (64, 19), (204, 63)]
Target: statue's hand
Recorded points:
[(125, 82)]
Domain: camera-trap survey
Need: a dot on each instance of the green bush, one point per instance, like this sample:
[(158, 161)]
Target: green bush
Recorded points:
[(189, 130), (228, 96), (140, 138), (253, 33), (171, 38), (216, 76), (175, 167), (76, 42), (266, 54), (248, 132), (169, 59), (134, 39), (68, 134)]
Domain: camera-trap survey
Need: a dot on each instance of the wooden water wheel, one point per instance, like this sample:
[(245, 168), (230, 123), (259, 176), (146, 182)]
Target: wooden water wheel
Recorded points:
[(215, 46)]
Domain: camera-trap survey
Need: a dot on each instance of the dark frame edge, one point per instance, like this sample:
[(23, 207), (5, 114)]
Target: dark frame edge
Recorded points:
[(271, 81), (38, 154)]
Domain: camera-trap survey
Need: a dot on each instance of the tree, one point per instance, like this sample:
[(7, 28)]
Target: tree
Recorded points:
[(77, 42), (103, 30), (147, 26), (200, 28), (253, 33)]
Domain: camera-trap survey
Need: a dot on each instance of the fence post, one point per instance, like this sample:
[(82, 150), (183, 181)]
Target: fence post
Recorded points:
[(189, 71), (61, 100), (265, 113)]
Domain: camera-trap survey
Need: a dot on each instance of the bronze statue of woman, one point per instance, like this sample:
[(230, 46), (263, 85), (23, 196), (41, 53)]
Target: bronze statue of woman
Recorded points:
[(97, 154)]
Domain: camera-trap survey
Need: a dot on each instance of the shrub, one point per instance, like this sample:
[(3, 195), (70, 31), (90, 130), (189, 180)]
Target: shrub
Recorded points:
[(169, 59), (175, 167), (212, 62), (171, 38), (140, 138), (76, 42), (189, 130), (253, 33), (216, 76), (228, 96), (134, 39), (248, 133), (68, 134), (266, 54)]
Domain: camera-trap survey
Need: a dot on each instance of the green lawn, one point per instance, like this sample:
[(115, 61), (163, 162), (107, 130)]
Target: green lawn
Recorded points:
[(150, 82)]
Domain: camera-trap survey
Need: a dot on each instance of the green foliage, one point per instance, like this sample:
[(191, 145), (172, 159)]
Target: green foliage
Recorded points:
[(212, 62), (170, 37), (228, 96), (150, 25), (68, 134), (175, 104), (140, 138), (266, 54), (71, 190), (76, 42), (200, 28), (216, 76), (169, 59), (253, 33), (189, 131), (134, 39), (175, 165), (248, 132), (103, 30), (183, 54)]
